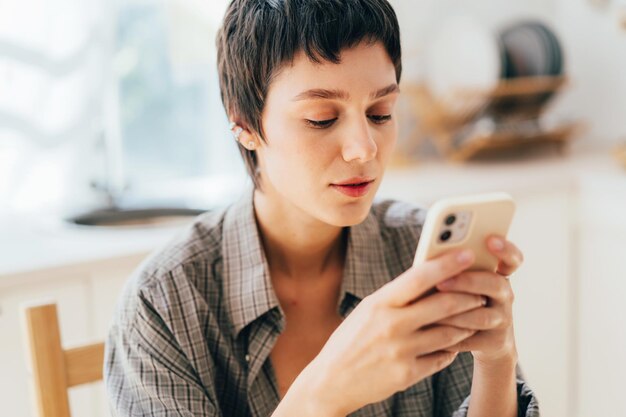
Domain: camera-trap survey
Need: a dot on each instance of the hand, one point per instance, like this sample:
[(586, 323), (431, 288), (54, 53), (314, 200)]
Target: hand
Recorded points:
[(494, 322), (388, 338)]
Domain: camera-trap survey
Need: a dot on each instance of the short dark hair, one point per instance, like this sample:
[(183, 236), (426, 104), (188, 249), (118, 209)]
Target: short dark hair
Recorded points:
[(258, 37)]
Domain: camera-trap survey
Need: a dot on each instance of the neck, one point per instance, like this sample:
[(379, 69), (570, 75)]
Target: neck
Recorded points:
[(301, 248)]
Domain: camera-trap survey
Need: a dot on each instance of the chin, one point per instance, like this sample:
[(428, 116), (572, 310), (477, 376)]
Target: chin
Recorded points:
[(349, 214)]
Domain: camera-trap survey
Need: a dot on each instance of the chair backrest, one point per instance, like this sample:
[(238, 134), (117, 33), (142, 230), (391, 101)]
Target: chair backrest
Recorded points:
[(54, 370)]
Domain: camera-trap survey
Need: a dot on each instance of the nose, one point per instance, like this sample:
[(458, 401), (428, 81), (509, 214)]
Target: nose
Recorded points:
[(359, 144)]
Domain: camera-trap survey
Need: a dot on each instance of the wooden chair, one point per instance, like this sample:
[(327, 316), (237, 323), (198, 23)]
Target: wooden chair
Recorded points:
[(54, 369)]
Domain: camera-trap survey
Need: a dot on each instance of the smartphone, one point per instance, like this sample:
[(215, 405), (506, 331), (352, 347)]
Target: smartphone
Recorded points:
[(466, 222)]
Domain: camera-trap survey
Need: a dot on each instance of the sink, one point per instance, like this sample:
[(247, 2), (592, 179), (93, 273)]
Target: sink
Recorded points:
[(138, 217)]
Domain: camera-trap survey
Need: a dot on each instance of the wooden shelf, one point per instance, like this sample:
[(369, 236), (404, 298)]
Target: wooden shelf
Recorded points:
[(489, 145), (512, 99)]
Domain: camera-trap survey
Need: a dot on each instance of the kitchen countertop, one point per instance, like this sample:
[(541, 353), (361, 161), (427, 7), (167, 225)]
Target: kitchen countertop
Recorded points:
[(33, 243), (430, 181)]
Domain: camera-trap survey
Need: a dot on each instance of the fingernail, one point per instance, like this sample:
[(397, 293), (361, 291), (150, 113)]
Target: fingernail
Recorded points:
[(497, 243), (464, 257)]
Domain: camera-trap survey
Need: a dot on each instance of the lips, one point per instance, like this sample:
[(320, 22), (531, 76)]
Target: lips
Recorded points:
[(354, 187), (355, 181)]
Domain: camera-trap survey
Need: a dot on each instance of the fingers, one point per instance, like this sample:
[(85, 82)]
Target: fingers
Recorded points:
[(419, 279), (437, 338), (483, 283), (437, 307), (511, 258), (434, 362), (483, 341), (477, 319)]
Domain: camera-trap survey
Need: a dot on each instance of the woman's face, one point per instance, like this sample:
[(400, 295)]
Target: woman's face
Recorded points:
[(325, 125)]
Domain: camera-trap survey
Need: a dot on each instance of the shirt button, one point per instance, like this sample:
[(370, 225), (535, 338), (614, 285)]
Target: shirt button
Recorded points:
[(247, 358)]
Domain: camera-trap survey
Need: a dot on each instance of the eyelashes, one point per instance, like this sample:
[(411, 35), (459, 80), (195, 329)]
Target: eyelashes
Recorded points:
[(380, 119), (324, 124), (320, 124)]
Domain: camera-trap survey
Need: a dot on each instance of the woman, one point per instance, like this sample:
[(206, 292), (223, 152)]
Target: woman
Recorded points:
[(300, 299)]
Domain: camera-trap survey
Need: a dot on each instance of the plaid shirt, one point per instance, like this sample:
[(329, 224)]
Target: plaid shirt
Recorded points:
[(198, 319)]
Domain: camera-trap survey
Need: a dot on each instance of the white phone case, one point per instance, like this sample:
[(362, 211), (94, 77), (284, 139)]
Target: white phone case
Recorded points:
[(481, 215)]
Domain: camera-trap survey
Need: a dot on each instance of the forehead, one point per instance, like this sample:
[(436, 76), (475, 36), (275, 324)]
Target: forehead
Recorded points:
[(363, 67)]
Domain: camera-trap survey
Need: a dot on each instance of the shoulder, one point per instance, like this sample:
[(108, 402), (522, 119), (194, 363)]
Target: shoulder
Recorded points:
[(400, 225), (178, 266), (199, 242), (399, 219)]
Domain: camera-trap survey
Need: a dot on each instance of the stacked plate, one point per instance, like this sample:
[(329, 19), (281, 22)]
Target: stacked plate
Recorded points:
[(465, 56), (530, 49)]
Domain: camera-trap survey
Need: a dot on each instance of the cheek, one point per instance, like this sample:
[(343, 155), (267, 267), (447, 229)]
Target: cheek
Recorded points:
[(295, 155), (387, 140)]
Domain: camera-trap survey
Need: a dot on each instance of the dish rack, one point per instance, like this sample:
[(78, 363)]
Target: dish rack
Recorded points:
[(505, 119)]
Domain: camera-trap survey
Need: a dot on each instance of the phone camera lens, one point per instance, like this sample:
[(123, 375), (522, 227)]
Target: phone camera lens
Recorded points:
[(450, 219), (445, 235)]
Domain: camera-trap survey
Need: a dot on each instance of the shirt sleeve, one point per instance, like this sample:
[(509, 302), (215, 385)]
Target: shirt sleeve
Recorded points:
[(452, 388), (146, 372)]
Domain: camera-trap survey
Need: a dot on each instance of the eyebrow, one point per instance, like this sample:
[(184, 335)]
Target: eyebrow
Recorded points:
[(320, 93)]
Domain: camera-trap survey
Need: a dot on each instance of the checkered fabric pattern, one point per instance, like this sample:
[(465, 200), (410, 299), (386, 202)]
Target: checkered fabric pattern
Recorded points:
[(198, 319)]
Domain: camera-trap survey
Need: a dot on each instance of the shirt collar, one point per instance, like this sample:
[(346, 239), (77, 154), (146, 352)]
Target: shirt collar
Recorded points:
[(248, 288)]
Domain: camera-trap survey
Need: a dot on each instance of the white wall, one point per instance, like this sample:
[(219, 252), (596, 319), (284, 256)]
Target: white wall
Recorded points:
[(594, 44), (596, 48), (420, 18)]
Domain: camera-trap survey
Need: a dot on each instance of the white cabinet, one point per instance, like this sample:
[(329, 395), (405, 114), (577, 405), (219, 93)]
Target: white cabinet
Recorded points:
[(543, 304), (601, 334), (85, 297), (71, 293)]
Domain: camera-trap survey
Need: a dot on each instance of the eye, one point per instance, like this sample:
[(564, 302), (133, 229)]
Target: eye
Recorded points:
[(380, 119), (320, 124)]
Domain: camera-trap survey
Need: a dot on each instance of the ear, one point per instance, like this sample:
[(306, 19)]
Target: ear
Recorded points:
[(245, 137)]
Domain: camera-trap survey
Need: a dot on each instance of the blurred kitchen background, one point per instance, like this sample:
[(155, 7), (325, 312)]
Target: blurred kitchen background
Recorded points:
[(113, 137)]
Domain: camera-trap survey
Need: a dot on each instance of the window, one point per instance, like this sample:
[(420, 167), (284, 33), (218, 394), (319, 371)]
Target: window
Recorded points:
[(121, 94), (172, 124)]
